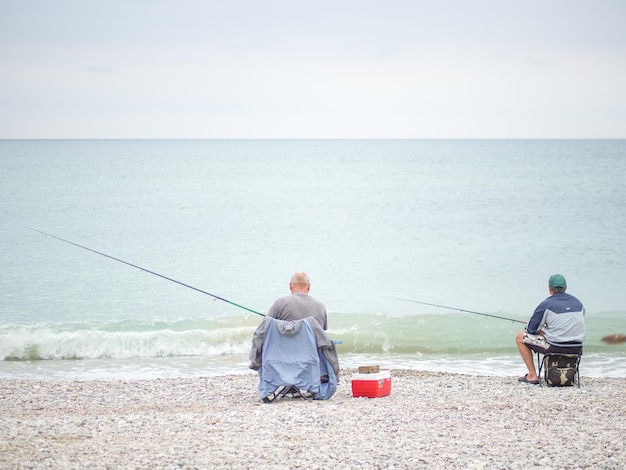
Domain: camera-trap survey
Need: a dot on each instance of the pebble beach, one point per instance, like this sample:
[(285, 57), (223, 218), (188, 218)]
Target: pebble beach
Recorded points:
[(430, 420)]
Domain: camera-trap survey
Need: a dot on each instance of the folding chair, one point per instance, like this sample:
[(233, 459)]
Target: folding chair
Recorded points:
[(292, 362), (561, 369)]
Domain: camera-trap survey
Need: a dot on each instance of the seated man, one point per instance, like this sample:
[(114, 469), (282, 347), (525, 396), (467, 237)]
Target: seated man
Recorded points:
[(291, 349), (557, 325)]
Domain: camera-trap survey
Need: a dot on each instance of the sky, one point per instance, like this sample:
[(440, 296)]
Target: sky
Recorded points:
[(268, 69)]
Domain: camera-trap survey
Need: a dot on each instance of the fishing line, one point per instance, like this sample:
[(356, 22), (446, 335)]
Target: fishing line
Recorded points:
[(459, 309), (148, 271)]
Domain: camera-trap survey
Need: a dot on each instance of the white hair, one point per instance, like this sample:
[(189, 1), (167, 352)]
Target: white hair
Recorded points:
[(300, 279)]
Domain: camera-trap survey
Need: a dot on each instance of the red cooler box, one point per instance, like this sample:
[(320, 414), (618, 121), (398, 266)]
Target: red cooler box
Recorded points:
[(371, 385)]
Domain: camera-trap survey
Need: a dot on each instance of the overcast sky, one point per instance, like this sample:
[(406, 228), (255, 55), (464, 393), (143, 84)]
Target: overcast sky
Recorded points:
[(312, 69)]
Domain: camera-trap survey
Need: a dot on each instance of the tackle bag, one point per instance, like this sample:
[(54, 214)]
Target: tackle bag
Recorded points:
[(561, 370)]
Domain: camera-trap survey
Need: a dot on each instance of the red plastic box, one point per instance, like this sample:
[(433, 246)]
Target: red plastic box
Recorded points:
[(371, 385)]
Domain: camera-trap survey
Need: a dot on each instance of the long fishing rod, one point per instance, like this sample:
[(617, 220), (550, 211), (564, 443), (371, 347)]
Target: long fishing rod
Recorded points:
[(148, 271), (460, 310)]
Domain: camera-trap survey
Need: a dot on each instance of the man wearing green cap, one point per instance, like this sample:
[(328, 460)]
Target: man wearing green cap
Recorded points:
[(557, 325)]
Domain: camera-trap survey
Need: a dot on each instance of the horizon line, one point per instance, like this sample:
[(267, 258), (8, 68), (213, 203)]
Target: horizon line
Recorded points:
[(306, 138)]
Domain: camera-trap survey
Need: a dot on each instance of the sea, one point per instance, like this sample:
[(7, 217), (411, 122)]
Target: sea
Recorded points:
[(128, 259)]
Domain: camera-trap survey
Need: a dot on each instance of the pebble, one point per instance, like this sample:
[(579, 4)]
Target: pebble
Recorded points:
[(430, 420)]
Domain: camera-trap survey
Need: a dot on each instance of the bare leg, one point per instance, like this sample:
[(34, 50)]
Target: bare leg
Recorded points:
[(527, 357)]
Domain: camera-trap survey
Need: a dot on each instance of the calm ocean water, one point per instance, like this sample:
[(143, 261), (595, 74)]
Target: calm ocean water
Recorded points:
[(472, 224)]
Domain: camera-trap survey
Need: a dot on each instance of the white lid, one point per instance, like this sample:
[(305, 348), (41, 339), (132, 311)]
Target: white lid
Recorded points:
[(383, 374)]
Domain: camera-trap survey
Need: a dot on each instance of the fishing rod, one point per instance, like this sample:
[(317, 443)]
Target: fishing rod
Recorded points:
[(150, 272), (460, 310)]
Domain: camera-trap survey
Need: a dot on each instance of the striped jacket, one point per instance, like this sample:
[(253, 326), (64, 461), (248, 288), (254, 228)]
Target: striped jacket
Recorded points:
[(562, 319)]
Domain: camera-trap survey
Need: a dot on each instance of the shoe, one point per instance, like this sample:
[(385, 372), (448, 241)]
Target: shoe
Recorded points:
[(273, 396), (270, 398), (292, 392), (526, 381)]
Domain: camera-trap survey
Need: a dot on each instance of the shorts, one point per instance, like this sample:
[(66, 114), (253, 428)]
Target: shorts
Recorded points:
[(536, 342)]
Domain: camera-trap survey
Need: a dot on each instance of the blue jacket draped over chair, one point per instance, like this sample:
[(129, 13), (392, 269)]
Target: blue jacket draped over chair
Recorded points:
[(298, 353)]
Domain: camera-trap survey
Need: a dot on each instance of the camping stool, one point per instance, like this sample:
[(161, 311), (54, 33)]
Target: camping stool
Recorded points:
[(561, 369)]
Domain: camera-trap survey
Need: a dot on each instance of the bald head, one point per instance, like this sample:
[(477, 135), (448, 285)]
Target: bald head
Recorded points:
[(299, 283)]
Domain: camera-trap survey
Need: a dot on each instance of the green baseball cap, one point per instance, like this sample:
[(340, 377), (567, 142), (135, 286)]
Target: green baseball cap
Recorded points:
[(557, 281)]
